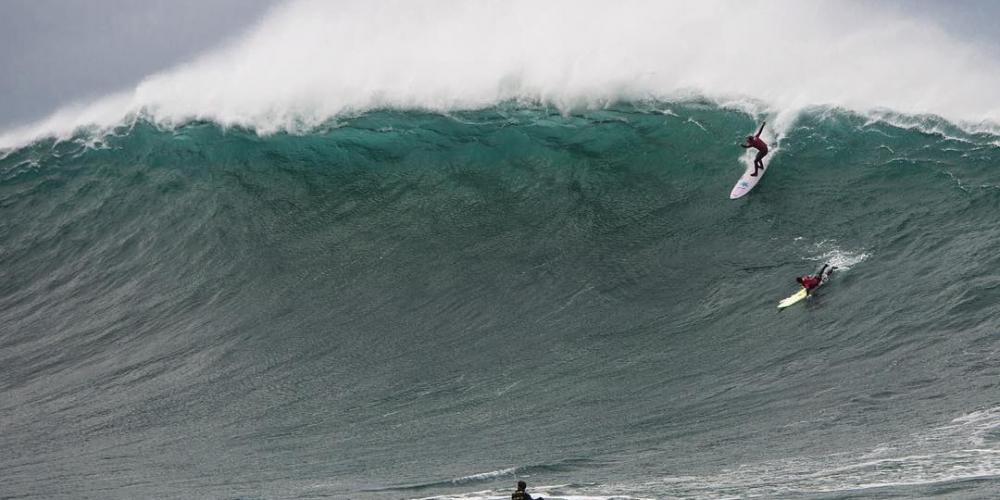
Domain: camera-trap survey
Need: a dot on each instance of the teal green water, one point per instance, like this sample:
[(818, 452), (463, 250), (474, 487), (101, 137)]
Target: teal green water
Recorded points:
[(404, 305)]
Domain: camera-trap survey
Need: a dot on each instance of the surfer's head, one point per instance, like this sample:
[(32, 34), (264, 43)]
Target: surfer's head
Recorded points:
[(521, 485), (749, 138)]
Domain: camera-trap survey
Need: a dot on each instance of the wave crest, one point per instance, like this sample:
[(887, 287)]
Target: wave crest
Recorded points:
[(309, 61)]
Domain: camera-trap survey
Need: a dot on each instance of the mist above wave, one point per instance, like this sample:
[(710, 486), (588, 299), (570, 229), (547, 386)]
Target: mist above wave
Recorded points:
[(310, 60)]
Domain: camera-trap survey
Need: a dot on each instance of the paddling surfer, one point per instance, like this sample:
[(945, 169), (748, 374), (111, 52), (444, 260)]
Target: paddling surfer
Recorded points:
[(754, 141), (811, 281)]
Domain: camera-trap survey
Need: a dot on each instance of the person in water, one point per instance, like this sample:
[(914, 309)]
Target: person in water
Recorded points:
[(811, 281), (520, 494), (754, 141)]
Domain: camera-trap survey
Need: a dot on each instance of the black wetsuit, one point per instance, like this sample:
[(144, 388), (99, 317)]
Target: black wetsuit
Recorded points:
[(520, 495)]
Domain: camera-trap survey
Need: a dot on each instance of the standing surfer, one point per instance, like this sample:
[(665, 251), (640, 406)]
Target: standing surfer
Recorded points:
[(754, 141)]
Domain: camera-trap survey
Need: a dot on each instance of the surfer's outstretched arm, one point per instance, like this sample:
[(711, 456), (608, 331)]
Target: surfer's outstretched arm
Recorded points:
[(761, 129)]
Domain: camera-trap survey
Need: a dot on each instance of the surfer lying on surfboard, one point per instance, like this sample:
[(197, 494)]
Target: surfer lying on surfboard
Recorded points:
[(754, 141), (811, 281)]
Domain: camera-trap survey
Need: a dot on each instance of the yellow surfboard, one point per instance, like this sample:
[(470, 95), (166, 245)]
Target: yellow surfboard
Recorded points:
[(801, 294)]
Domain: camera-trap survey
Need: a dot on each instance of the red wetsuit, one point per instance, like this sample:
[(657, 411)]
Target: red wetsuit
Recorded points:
[(809, 282), (757, 143), (754, 141)]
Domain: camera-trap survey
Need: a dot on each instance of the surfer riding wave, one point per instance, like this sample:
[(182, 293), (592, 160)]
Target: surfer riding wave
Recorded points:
[(754, 141)]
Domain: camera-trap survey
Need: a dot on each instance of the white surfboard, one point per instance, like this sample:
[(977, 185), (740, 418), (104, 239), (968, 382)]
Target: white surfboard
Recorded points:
[(746, 183), (797, 296)]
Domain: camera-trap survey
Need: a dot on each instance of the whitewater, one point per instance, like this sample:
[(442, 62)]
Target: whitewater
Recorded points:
[(425, 249), (310, 61)]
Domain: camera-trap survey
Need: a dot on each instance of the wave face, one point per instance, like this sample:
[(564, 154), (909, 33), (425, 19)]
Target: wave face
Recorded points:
[(407, 304), (309, 61)]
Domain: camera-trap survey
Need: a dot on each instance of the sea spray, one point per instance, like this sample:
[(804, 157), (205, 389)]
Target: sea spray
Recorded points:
[(310, 61)]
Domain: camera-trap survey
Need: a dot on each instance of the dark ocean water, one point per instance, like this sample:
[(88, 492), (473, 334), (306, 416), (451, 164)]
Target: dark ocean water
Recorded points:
[(404, 305)]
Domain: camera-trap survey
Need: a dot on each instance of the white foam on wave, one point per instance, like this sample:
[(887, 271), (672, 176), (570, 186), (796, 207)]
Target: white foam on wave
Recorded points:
[(841, 259), (962, 449), (954, 452), (311, 60), (830, 252), (485, 475), (553, 492)]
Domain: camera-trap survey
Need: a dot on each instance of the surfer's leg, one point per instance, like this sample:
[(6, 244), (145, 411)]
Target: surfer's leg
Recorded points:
[(757, 163)]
